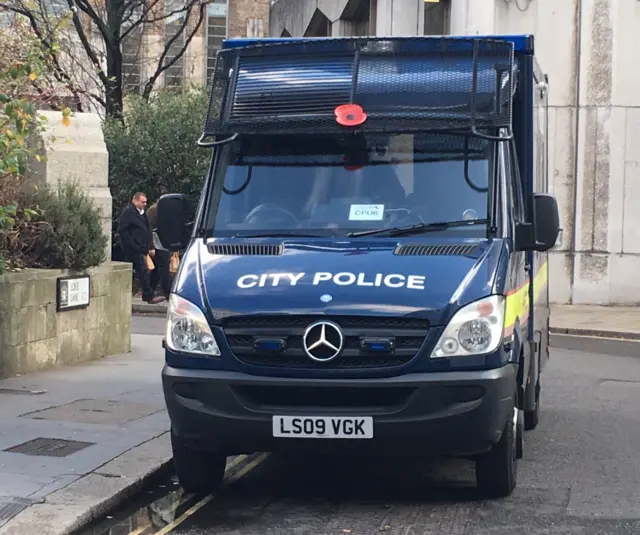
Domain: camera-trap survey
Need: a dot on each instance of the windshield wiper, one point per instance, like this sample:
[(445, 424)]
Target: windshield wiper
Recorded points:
[(417, 229)]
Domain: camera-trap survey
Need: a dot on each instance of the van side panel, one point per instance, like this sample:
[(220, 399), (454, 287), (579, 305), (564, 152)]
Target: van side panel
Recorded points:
[(540, 271), (531, 133)]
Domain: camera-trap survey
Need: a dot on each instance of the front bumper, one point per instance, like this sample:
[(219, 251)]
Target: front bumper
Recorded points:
[(449, 413)]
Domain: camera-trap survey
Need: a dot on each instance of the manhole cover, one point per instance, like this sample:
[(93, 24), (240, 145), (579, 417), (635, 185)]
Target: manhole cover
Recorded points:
[(49, 447), (96, 411)]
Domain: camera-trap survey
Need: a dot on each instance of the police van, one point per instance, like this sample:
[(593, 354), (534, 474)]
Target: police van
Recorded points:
[(366, 269)]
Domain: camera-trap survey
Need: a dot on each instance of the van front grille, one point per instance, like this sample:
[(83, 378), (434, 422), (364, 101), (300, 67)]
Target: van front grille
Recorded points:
[(405, 334)]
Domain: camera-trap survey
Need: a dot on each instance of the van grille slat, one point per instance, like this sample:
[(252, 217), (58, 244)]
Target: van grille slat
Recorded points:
[(245, 249), (434, 250)]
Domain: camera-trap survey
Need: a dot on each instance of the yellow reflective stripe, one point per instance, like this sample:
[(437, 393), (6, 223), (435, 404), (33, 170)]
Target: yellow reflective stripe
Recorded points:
[(517, 300), (540, 281), (515, 306)]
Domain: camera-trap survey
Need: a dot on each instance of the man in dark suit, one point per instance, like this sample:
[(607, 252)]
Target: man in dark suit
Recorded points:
[(136, 241)]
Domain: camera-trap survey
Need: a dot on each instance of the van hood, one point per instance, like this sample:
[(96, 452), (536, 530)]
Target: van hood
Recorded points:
[(422, 278)]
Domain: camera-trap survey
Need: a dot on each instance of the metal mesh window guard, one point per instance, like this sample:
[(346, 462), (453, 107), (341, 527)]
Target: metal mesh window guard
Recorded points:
[(404, 84)]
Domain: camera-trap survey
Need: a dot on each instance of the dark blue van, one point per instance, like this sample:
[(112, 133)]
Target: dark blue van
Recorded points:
[(366, 269)]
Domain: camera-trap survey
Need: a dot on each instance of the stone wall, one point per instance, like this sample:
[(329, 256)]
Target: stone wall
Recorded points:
[(249, 18), (588, 49), (34, 336), (75, 153), (385, 17)]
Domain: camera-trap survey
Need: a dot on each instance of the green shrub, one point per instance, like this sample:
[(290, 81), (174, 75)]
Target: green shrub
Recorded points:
[(155, 149), (64, 232), (22, 70)]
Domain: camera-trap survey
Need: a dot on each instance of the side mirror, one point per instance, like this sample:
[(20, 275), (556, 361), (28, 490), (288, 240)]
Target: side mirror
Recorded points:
[(174, 212), (541, 234), (546, 221)]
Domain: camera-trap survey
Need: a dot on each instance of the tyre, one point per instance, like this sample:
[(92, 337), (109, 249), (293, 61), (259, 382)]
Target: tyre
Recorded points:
[(497, 470), (532, 417), (198, 472)]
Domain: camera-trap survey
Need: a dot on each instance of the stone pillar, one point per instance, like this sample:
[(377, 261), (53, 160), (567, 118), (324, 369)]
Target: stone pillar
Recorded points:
[(473, 17), (76, 153), (153, 48), (342, 28), (248, 16), (400, 18), (606, 214)]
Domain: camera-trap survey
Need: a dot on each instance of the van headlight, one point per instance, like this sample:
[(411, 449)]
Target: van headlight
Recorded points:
[(188, 330), (475, 329)]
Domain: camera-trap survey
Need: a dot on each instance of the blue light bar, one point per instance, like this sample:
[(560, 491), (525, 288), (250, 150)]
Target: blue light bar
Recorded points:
[(523, 44)]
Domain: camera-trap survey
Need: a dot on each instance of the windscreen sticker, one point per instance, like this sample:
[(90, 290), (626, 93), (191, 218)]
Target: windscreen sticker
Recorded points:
[(321, 278), (366, 212)]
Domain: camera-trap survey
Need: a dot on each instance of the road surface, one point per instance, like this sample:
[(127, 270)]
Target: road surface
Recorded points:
[(580, 475)]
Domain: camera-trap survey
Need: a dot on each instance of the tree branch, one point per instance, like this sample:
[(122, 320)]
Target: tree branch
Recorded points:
[(84, 77), (161, 67), (87, 8), (58, 72), (86, 45), (143, 20)]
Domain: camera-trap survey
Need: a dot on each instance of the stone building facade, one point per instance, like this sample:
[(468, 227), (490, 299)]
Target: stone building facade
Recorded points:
[(223, 18), (588, 49)]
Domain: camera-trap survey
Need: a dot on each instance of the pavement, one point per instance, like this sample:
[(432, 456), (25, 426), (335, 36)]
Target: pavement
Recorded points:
[(599, 321), (78, 442)]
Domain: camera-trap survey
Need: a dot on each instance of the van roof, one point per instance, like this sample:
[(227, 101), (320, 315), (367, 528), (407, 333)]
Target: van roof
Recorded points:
[(523, 44)]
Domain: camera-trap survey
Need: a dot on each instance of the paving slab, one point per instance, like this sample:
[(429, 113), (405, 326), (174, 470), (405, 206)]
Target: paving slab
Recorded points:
[(75, 441), (95, 411), (600, 321)]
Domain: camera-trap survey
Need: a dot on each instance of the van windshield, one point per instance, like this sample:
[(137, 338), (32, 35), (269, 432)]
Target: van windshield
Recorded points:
[(327, 185)]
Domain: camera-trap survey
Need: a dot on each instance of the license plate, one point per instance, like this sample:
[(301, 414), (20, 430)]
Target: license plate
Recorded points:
[(322, 427)]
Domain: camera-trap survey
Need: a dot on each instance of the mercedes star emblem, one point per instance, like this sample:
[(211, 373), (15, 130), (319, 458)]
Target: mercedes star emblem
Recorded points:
[(323, 341)]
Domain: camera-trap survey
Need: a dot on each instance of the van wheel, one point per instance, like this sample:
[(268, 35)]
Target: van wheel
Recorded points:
[(198, 472), (532, 417), (497, 470)]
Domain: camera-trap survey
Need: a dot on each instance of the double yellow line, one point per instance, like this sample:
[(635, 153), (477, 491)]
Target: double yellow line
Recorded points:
[(195, 508)]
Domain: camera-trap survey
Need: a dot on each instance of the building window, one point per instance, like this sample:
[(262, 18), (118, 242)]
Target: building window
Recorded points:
[(216, 32), (131, 60), (132, 48), (174, 25), (436, 17)]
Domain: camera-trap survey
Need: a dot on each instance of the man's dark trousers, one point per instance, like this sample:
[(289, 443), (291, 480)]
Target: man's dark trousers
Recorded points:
[(161, 273), (142, 274)]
